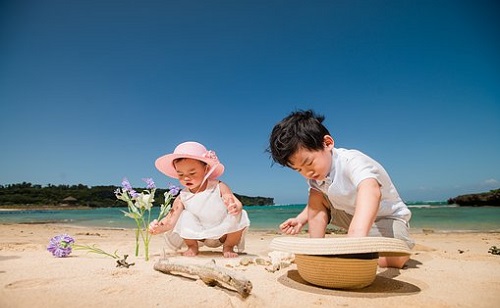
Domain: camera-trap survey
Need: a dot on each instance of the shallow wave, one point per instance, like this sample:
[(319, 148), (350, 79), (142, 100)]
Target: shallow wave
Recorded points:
[(419, 206)]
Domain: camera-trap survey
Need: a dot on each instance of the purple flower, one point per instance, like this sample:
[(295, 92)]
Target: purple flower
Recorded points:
[(60, 245), (150, 183), (127, 187), (173, 190), (126, 184)]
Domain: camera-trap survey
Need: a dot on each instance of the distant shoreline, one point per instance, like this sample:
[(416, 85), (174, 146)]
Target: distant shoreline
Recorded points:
[(5, 208), (37, 207)]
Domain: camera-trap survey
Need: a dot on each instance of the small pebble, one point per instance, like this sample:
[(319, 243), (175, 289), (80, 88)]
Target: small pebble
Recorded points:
[(245, 261)]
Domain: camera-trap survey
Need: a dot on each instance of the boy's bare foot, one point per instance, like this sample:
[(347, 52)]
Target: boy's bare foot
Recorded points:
[(228, 252)]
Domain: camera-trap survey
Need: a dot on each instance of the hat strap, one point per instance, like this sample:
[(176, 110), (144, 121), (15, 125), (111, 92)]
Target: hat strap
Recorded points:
[(212, 169)]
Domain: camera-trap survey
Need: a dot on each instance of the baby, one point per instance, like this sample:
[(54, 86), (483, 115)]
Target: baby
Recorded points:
[(206, 211)]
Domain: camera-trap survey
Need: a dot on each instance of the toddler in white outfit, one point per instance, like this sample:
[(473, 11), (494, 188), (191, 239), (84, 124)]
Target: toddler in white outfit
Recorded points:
[(206, 210)]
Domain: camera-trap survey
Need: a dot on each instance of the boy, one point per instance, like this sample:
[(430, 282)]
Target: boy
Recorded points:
[(346, 187)]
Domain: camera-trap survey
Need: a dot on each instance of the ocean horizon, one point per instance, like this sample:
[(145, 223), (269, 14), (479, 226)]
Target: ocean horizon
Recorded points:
[(435, 216)]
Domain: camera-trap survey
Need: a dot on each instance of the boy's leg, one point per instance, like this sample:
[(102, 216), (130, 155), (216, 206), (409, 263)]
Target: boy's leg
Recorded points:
[(340, 218), (395, 228), (392, 227), (384, 227)]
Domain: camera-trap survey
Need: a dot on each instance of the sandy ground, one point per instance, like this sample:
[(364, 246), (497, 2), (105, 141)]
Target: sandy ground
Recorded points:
[(445, 270)]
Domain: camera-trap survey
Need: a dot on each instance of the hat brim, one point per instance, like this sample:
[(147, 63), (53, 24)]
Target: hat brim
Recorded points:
[(165, 164), (341, 245)]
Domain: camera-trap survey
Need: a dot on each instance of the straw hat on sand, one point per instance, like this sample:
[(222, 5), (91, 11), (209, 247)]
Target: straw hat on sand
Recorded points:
[(339, 263)]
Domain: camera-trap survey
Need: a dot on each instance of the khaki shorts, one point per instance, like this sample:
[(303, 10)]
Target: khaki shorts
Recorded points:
[(382, 227)]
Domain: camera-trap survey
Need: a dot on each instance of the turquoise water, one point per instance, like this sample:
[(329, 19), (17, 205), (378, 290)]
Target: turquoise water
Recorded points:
[(436, 217)]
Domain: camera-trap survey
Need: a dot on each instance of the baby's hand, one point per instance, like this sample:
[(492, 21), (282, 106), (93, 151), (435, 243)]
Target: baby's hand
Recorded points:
[(291, 226), (232, 206), (153, 227)]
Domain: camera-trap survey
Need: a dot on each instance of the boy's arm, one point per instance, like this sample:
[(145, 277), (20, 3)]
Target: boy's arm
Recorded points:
[(367, 206), (318, 215)]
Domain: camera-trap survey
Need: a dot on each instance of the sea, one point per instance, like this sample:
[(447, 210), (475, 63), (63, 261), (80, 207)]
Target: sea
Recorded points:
[(426, 217)]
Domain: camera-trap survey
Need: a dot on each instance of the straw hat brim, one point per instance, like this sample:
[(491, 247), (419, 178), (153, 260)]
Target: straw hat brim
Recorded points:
[(384, 246)]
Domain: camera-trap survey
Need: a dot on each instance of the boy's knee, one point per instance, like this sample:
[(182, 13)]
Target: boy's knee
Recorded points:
[(396, 262)]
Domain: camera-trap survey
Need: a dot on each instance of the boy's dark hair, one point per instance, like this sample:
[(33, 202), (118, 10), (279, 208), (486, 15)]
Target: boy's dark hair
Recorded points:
[(300, 129)]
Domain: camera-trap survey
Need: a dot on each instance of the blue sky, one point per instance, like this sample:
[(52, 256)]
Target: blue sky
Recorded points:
[(94, 91)]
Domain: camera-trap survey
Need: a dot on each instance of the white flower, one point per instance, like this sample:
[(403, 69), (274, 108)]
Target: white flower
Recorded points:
[(144, 201)]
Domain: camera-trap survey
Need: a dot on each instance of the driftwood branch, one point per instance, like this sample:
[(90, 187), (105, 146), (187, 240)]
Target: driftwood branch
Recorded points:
[(210, 274), (123, 262)]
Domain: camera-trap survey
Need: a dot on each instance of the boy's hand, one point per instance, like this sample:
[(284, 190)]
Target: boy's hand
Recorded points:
[(291, 226)]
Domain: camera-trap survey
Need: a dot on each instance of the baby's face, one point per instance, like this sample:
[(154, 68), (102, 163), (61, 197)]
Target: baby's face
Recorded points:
[(190, 172), (313, 165)]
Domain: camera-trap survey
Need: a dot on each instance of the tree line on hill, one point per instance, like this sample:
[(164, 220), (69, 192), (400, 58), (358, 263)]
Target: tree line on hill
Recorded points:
[(28, 194)]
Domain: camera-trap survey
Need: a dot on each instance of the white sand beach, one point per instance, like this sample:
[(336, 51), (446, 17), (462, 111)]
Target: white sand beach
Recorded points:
[(445, 270)]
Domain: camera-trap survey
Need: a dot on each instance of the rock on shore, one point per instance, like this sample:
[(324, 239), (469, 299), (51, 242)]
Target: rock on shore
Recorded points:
[(491, 198)]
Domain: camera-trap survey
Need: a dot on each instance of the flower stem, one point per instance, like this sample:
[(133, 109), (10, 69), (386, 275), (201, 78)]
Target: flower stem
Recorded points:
[(137, 238), (145, 236), (95, 249)]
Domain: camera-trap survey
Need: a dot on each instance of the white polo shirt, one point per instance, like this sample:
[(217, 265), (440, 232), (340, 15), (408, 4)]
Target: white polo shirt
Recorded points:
[(349, 168)]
